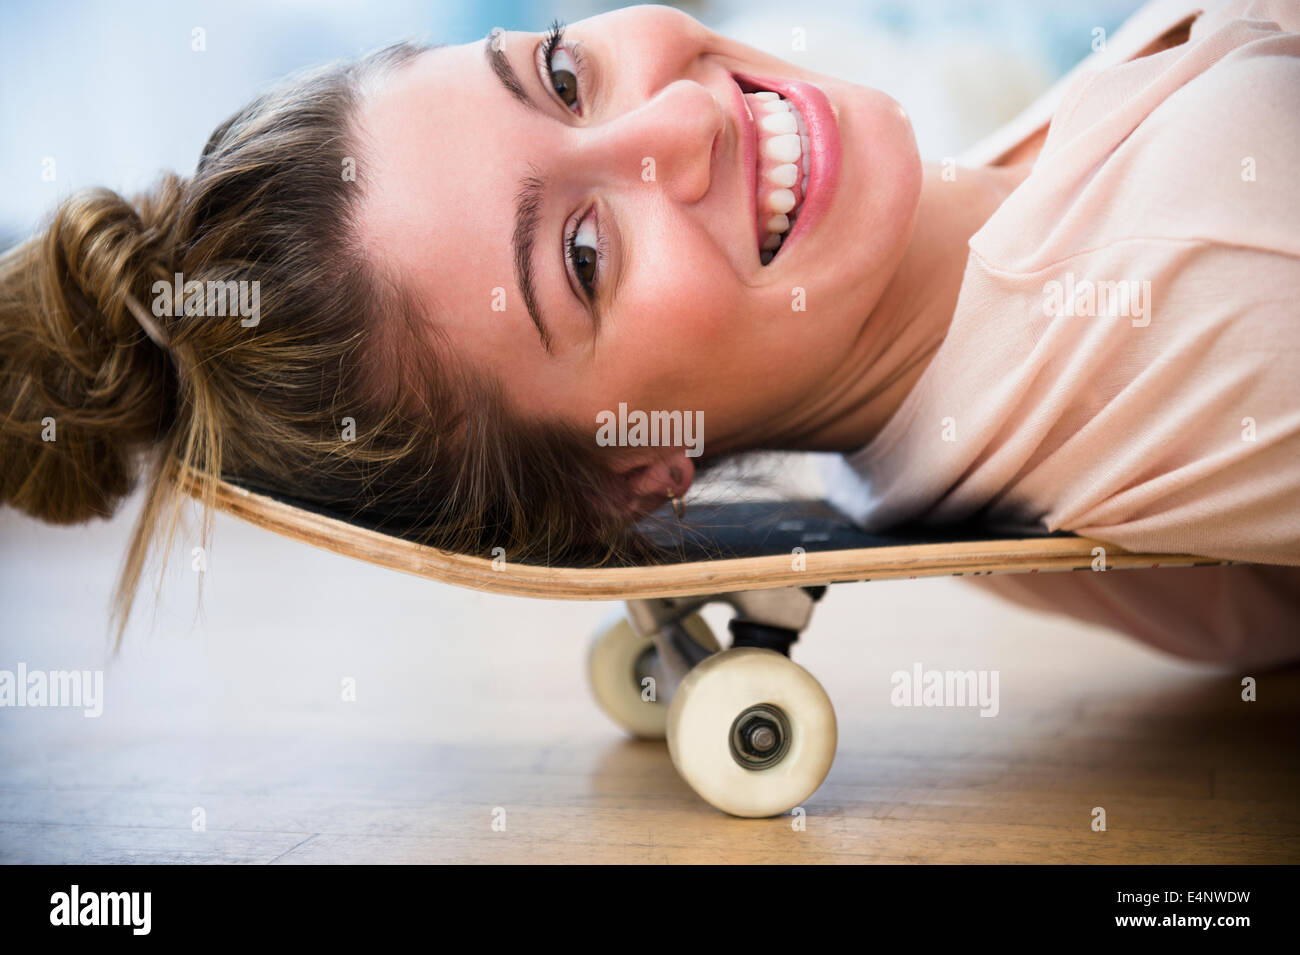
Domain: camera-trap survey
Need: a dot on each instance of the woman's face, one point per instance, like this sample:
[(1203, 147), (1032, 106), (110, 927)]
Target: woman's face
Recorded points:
[(593, 236)]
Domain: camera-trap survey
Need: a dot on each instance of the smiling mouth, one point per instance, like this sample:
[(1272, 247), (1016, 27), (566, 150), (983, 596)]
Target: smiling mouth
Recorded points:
[(782, 163)]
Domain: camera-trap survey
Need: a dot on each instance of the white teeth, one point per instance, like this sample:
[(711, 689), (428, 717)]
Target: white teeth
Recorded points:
[(780, 200), (779, 123), (782, 148), (785, 175), (803, 186)]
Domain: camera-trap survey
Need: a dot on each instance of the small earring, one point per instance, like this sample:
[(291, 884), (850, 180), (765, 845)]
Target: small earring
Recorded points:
[(679, 506)]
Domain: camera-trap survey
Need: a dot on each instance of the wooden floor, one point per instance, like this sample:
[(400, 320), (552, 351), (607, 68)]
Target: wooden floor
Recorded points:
[(472, 708), (1177, 786)]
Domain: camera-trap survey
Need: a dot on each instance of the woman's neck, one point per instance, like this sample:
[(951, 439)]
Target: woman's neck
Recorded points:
[(909, 322)]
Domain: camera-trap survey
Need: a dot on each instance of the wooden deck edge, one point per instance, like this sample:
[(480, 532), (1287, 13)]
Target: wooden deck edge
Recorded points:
[(1026, 555)]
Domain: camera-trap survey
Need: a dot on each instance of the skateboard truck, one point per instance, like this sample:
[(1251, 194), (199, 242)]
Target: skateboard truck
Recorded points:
[(770, 624), (764, 619), (750, 730)]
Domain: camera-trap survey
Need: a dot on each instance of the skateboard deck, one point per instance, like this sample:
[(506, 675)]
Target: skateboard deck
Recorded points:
[(721, 548)]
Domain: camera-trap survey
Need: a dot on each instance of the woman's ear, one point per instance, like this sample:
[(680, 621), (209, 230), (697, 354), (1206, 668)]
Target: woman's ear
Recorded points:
[(649, 475)]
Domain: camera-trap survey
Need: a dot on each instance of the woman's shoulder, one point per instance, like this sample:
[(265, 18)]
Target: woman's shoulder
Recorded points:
[(1138, 34), (1194, 144), (1216, 161), (1153, 28)]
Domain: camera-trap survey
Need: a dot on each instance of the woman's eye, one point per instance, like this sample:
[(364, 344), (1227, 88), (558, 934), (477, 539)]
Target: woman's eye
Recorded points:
[(564, 75), (584, 253)]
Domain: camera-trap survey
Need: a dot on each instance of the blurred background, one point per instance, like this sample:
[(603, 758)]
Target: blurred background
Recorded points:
[(239, 694)]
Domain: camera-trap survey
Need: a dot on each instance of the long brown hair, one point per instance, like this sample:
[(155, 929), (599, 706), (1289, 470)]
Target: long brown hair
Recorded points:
[(432, 451)]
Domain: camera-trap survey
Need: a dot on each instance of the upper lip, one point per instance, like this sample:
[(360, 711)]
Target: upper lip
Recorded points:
[(748, 155)]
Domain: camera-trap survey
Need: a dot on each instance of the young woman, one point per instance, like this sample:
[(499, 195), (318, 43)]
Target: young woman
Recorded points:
[(465, 259)]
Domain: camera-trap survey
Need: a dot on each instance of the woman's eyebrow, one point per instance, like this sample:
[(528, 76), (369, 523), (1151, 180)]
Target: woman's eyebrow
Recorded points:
[(528, 215), (528, 198), (495, 51)]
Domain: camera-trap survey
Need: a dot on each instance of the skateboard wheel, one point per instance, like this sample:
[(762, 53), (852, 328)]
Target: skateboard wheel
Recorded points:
[(752, 732), (612, 670)]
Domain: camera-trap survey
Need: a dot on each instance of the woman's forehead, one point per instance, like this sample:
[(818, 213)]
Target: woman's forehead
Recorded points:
[(443, 146), (437, 160)]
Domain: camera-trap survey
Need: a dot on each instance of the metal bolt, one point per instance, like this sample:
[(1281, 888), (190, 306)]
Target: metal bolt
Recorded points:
[(762, 737)]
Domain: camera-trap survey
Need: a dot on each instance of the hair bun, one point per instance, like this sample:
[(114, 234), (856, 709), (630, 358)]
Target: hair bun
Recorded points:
[(83, 388)]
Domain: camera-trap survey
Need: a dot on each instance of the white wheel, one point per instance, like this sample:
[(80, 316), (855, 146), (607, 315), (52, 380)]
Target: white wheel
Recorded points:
[(616, 682), (752, 732)]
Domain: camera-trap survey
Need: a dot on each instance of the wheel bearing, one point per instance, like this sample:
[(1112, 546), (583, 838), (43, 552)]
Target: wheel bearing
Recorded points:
[(760, 736)]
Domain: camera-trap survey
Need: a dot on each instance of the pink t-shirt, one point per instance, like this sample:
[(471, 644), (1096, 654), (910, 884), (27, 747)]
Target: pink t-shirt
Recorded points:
[(1124, 358)]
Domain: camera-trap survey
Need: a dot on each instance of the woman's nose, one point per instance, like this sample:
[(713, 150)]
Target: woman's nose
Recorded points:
[(667, 141)]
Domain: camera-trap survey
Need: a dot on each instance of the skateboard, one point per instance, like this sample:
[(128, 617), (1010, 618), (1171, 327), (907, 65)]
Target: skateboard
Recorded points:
[(752, 732)]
